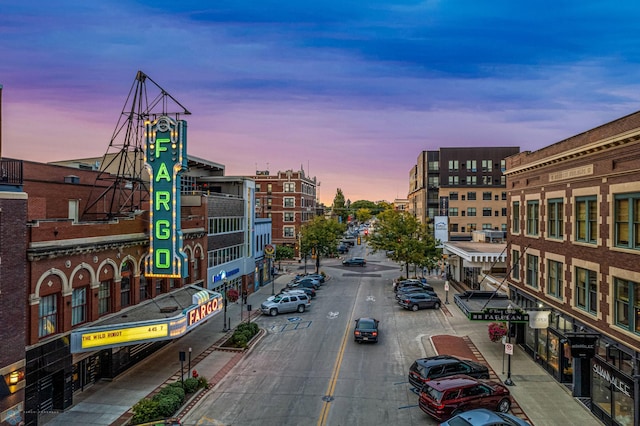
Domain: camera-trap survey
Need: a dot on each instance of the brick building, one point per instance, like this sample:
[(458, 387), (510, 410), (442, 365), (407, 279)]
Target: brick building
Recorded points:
[(289, 199), (13, 276), (574, 250), (82, 272)]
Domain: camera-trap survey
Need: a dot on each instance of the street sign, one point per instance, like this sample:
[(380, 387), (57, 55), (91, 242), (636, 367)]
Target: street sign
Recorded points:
[(508, 348)]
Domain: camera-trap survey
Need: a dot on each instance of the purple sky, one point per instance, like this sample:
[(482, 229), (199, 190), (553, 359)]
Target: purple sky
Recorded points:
[(352, 91)]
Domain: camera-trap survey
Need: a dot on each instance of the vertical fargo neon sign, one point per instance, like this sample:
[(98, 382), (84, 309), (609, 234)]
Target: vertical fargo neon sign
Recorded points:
[(166, 159)]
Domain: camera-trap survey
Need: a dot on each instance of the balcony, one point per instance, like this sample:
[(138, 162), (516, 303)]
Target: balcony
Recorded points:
[(11, 178)]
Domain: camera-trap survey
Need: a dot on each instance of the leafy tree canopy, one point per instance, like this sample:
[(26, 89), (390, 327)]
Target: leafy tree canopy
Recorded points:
[(320, 237), (407, 240)]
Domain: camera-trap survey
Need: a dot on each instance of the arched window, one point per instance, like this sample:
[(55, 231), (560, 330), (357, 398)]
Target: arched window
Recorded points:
[(48, 315), (125, 284)]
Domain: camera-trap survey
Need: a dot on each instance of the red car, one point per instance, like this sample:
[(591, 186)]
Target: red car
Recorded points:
[(450, 396)]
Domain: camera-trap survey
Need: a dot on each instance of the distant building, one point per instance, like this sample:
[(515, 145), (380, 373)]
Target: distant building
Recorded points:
[(401, 204), (289, 199), (465, 184)]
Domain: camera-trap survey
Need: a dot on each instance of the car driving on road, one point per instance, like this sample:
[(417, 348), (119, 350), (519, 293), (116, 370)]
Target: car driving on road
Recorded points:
[(354, 261), (366, 330)]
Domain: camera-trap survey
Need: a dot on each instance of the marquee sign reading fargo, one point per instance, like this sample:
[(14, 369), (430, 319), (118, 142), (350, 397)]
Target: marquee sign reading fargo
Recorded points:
[(166, 159)]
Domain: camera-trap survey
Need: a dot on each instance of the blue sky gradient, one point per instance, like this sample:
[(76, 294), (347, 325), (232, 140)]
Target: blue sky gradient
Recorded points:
[(350, 90)]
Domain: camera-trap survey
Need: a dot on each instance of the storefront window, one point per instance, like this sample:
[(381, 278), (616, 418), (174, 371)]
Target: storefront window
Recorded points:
[(542, 344), (623, 408), (554, 347), (601, 394), (567, 363)]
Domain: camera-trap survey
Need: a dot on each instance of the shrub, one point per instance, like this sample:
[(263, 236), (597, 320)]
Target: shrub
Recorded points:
[(239, 340), (145, 410), (202, 382), (190, 385), (168, 404)]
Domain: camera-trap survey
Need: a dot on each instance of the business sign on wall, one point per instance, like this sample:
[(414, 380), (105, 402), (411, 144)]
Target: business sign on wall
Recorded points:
[(441, 228), (166, 159)]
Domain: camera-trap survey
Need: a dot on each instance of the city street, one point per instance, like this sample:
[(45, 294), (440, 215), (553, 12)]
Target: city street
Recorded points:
[(309, 370)]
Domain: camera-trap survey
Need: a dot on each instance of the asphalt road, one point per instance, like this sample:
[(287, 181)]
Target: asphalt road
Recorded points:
[(308, 370)]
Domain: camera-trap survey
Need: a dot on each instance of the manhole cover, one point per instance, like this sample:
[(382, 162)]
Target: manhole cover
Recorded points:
[(327, 398)]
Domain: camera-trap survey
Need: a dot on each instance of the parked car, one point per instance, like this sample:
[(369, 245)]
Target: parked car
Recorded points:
[(286, 303), (306, 279), (290, 292), (318, 277), (411, 290), (434, 367), (484, 417), (354, 261), (415, 301), (366, 330), (450, 396), (304, 283), (407, 285), (343, 248)]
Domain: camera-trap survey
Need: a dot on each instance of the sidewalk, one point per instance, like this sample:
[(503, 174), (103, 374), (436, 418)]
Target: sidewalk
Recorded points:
[(539, 398)]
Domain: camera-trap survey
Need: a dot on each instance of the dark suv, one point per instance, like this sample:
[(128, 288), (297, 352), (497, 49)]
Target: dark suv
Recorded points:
[(450, 396), (354, 261), (434, 367)]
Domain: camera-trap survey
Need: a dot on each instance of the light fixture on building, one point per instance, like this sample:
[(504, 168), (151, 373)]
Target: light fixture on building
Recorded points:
[(14, 378)]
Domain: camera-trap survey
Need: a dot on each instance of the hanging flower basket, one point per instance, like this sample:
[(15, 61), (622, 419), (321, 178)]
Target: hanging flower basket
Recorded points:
[(497, 330), (232, 295)]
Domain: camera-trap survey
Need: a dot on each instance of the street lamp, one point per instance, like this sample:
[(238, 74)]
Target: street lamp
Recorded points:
[(510, 311), (189, 371), (224, 327)]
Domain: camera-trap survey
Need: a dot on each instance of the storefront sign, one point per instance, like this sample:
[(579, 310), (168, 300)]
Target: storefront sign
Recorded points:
[(166, 159), (615, 381), (583, 345), (539, 319), (499, 315)]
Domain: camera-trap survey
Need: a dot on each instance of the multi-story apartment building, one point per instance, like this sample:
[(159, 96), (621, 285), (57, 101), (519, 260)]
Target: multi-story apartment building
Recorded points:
[(289, 199), (465, 184), (574, 252)]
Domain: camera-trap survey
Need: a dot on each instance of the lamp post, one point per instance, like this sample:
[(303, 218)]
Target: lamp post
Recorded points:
[(509, 382), (224, 327), (189, 362)]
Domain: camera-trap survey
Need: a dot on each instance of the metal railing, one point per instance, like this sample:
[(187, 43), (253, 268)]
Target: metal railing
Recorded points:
[(11, 172)]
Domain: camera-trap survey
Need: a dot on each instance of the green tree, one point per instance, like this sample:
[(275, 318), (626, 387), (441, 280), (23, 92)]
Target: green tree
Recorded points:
[(340, 208), (363, 215), (406, 237), (320, 237), (283, 252)]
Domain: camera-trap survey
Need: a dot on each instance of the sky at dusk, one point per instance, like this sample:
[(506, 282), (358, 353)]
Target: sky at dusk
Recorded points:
[(352, 91)]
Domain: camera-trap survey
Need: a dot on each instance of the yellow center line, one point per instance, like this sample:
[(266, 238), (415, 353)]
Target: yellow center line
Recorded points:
[(334, 377)]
